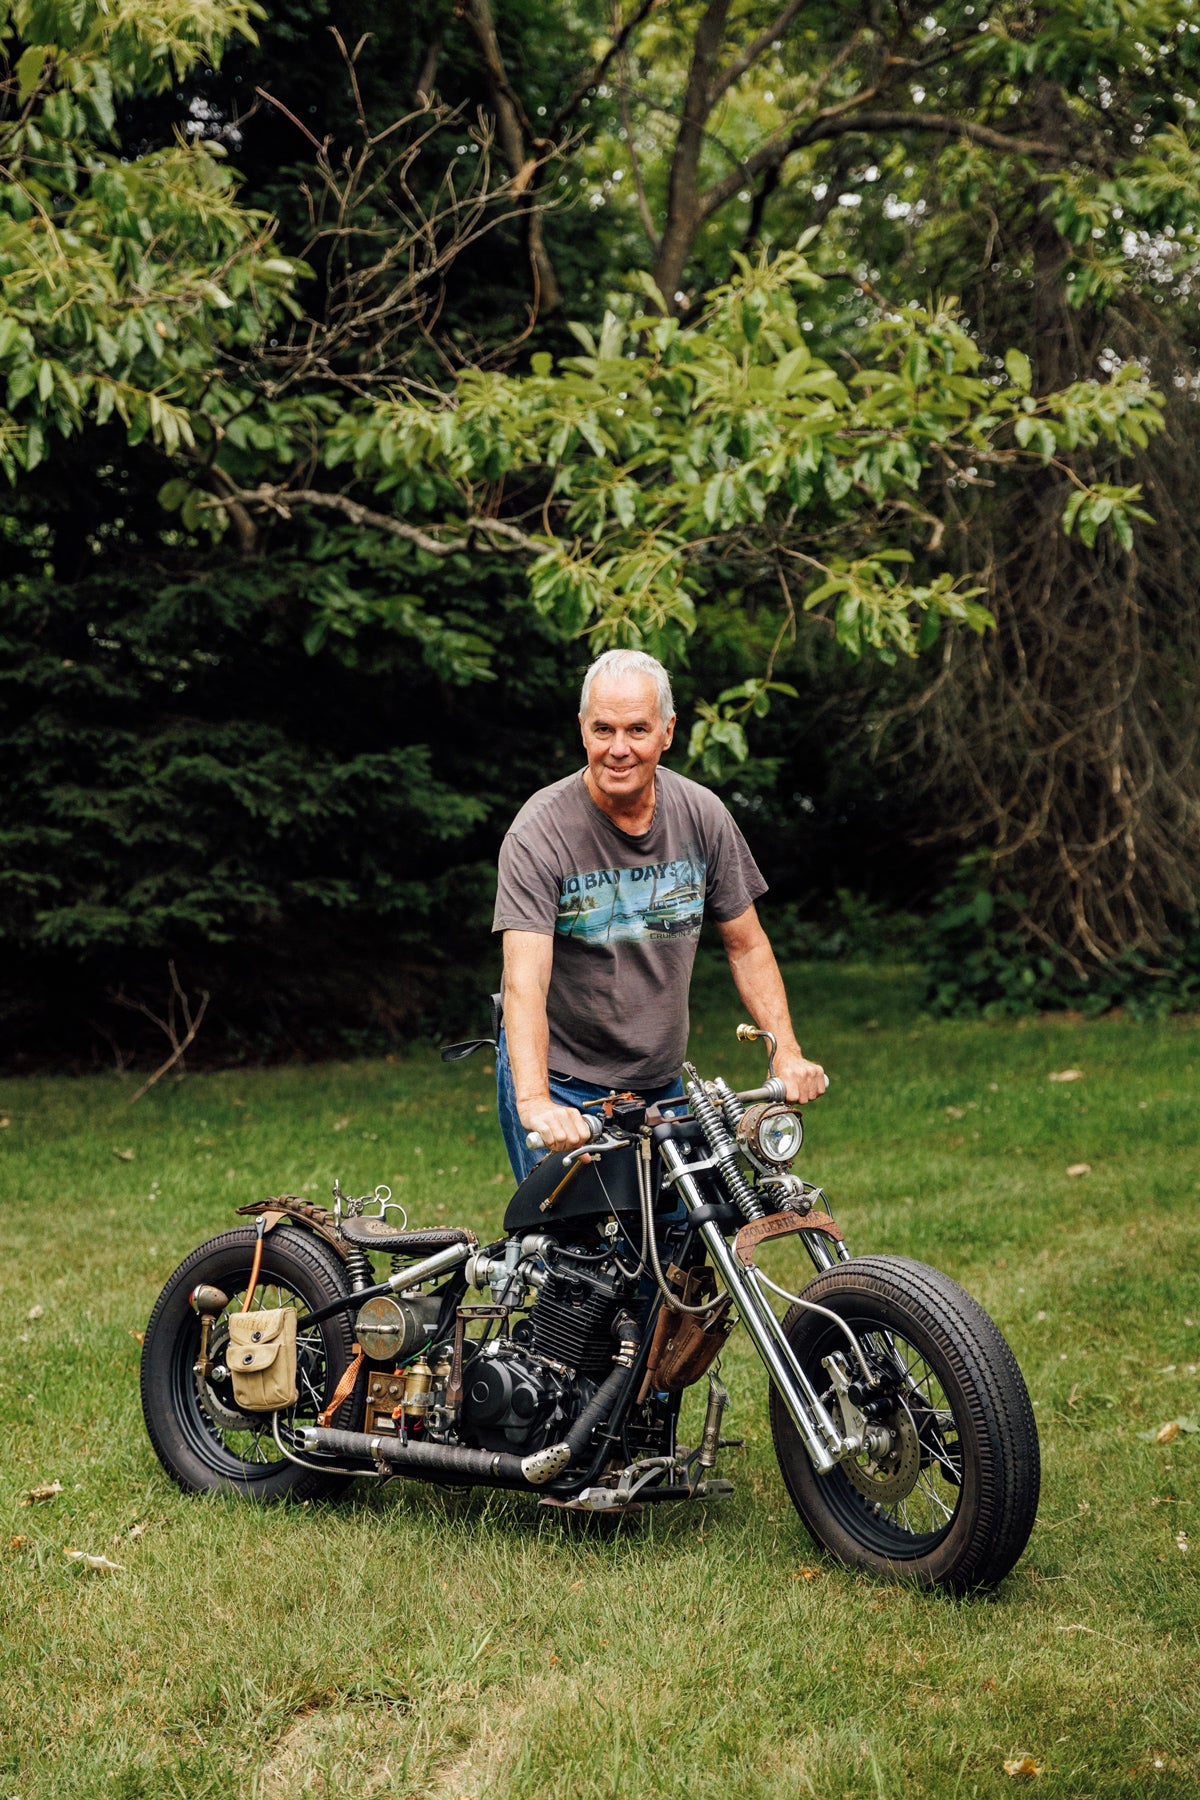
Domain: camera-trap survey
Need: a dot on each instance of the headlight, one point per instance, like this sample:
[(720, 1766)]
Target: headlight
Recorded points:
[(771, 1131)]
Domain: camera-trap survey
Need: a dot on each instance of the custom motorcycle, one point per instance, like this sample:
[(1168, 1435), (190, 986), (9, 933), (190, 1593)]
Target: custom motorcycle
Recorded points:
[(281, 1361)]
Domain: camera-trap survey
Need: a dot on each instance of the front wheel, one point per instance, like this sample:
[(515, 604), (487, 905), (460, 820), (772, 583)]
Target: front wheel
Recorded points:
[(950, 1500), (201, 1437)]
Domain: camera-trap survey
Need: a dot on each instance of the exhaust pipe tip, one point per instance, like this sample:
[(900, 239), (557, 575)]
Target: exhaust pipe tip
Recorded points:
[(543, 1465)]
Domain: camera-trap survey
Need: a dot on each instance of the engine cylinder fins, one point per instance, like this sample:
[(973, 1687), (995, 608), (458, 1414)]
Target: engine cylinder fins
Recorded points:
[(571, 1324)]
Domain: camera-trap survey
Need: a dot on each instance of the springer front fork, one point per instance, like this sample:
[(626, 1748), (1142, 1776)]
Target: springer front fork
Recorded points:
[(824, 1440)]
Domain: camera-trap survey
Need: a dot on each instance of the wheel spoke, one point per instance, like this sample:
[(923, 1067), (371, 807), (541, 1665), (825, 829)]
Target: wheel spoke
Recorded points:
[(935, 1499)]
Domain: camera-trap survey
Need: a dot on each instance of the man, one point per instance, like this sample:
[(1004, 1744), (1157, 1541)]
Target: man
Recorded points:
[(604, 880)]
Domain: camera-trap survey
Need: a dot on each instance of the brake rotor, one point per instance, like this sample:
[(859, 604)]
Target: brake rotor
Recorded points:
[(892, 1476)]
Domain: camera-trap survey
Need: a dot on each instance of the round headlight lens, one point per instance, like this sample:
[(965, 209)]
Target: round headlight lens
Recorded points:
[(780, 1135)]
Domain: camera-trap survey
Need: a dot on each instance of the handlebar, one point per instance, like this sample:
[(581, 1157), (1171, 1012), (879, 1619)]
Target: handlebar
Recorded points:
[(535, 1140)]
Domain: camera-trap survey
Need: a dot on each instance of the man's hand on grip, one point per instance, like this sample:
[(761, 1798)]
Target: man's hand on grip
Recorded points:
[(803, 1080), (559, 1127)]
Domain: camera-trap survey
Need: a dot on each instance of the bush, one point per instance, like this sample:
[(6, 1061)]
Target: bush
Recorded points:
[(979, 960)]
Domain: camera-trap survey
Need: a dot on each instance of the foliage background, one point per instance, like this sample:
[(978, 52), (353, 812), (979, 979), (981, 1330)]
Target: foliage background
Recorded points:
[(276, 740)]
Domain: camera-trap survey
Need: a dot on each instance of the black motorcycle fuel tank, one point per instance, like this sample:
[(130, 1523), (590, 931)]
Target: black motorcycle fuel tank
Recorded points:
[(589, 1190), (550, 1193)]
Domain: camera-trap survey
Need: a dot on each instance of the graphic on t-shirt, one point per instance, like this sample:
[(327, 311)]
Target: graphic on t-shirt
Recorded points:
[(655, 901)]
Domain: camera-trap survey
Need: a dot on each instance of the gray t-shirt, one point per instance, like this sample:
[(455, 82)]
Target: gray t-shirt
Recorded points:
[(625, 913)]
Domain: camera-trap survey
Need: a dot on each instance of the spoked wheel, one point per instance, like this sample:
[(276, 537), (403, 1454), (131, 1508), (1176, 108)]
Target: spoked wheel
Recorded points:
[(947, 1492), (201, 1437)]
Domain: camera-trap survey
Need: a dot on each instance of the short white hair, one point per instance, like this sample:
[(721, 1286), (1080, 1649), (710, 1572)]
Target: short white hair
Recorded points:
[(616, 663)]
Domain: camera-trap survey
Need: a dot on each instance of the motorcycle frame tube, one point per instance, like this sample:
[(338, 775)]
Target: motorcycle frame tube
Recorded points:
[(820, 1436), (399, 1283)]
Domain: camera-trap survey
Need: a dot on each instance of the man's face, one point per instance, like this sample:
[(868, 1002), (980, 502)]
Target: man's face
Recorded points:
[(624, 736)]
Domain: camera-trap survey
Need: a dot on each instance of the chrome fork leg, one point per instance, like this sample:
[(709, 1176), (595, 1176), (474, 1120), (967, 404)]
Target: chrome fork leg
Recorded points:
[(819, 1434), (821, 1437), (710, 1443)]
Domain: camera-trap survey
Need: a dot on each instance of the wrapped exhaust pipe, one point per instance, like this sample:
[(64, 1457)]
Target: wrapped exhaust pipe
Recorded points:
[(442, 1462)]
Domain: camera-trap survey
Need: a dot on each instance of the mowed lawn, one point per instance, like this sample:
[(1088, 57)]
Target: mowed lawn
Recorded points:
[(405, 1642)]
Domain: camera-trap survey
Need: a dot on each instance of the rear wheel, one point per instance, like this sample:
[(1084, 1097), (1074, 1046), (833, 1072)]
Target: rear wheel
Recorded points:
[(950, 1498), (203, 1441)]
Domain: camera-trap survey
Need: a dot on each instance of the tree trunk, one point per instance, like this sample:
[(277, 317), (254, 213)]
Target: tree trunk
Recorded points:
[(511, 134), (683, 193)]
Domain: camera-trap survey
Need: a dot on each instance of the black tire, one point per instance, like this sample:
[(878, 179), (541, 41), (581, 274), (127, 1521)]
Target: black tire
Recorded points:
[(963, 1419), (200, 1438)]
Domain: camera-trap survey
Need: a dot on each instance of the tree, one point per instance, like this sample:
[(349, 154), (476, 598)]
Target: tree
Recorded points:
[(307, 375)]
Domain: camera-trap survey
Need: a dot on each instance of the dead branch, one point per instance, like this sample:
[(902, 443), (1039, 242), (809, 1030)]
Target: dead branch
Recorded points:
[(168, 1025)]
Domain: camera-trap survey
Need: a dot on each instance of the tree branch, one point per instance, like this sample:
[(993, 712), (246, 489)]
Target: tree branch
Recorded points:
[(616, 48), (282, 499), (683, 200), (168, 1026), (824, 127), (635, 161), (754, 50), (514, 132)]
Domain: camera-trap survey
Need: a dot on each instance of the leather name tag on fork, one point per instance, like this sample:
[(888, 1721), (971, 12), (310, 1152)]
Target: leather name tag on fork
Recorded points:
[(779, 1225)]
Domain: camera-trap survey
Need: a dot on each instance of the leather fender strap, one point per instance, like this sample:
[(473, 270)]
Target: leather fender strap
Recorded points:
[(779, 1225)]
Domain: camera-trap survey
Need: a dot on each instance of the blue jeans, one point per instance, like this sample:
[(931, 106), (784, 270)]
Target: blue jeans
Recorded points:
[(566, 1090)]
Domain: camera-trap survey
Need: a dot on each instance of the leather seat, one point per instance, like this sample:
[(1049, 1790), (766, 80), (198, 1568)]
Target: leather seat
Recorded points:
[(373, 1233)]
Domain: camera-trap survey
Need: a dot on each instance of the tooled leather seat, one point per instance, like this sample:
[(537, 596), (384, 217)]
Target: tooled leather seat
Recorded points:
[(373, 1233)]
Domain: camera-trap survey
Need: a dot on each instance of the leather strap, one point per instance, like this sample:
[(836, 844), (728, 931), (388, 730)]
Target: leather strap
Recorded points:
[(345, 1386)]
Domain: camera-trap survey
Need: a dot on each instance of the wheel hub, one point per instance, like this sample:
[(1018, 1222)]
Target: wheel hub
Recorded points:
[(216, 1393), (891, 1474)]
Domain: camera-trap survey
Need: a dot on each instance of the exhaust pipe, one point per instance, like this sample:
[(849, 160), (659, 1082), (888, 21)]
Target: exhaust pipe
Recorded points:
[(497, 1468)]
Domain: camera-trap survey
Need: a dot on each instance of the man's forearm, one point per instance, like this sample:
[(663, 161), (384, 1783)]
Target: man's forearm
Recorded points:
[(760, 987), (528, 1038), (528, 963)]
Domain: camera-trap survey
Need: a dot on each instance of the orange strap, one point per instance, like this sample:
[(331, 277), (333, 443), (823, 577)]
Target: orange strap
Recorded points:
[(344, 1387), (254, 1269)]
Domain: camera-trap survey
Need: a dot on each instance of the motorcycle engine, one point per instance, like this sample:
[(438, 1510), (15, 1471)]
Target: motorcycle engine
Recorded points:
[(524, 1391), (513, 1400)]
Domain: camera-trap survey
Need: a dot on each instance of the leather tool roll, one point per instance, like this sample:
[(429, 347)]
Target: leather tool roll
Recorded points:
[(685, 1345)]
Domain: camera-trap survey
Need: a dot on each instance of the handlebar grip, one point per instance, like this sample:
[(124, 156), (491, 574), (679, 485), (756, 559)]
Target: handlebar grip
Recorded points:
[(535, 1141)]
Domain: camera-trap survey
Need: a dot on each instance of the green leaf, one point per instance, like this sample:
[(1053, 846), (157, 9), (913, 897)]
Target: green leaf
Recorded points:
[(29, 69), (173, 493), (1020, 370)]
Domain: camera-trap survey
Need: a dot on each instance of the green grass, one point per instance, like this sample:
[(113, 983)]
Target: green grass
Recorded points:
[(410, 1644)]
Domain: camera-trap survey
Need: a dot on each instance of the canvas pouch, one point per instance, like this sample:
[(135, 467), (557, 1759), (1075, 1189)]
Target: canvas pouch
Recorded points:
[(261, 1358)]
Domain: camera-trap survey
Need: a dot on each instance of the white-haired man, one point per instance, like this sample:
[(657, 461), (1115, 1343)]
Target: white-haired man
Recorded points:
[(604, 880)]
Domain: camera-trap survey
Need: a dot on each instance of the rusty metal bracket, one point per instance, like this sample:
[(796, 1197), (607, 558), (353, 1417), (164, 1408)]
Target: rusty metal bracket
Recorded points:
[(781, 1225)]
